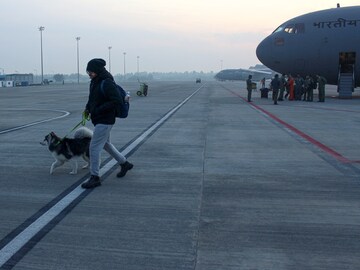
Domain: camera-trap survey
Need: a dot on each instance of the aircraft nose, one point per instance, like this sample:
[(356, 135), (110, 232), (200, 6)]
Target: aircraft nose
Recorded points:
[(263, 51)]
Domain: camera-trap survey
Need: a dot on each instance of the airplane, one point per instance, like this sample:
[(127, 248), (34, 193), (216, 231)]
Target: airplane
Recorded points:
[(243, 74), (325, 43)]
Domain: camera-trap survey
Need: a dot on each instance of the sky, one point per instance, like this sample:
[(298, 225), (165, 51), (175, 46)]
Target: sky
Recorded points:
[(155, 35)]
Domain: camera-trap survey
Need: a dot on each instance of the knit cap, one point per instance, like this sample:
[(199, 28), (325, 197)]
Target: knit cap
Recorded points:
[(96, 65)]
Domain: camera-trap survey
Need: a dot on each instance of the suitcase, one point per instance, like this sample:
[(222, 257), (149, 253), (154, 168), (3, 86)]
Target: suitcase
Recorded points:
[(264, 92)]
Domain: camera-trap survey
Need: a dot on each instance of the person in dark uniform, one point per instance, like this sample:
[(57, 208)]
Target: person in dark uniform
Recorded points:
[(321, 87), (249, 87), (275, 86), (299, 90), (313, 86), (307, 85)]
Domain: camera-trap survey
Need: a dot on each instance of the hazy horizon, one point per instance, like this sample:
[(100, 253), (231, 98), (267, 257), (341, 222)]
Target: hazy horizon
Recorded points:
[(159, 35)]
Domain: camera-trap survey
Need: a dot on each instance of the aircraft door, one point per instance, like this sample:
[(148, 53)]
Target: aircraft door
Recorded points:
[(346, 81), (347, 62)]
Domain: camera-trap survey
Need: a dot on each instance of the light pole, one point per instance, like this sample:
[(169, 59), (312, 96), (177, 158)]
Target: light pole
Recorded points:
[(137, 58), (124, 65), (77, 54), (109, 59), (41, 28)]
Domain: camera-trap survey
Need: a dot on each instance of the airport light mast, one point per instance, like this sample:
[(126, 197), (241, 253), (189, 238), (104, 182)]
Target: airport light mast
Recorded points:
[(41, 29), (77, 50), (109, 59), (137, 57), (124, 65)]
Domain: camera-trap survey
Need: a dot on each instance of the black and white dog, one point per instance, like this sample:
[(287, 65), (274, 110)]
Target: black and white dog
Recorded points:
[(69, 149)]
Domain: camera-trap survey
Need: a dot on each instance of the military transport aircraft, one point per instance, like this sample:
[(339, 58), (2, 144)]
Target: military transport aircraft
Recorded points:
[(325, 43)]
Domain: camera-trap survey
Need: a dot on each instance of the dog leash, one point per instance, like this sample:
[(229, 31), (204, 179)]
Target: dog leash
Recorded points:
[(85, 117)]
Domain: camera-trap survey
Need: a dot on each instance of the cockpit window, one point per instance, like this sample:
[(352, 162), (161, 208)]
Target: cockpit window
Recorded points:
[(289, 29), (296, 28)]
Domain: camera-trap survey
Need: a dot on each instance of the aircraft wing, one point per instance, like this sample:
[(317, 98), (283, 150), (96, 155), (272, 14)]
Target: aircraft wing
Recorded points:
[(242, 74)]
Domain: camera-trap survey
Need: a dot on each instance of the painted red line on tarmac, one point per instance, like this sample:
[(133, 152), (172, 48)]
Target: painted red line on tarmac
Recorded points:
[(323, 147)]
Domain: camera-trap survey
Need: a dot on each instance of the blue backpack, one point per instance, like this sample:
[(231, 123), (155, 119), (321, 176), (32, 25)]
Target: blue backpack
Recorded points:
[(123, 109)]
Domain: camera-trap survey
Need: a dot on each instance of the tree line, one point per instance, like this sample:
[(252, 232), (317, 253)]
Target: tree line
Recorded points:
[(142, 76)]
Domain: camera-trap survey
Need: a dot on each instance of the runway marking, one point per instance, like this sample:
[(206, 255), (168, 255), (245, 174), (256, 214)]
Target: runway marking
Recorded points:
[(322, 108), (303, 135), (17, 243), (65, 113)]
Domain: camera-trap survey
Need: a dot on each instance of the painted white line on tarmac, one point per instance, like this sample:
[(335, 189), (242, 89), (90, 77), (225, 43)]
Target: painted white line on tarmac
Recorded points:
[(29, 232), (65, 113)]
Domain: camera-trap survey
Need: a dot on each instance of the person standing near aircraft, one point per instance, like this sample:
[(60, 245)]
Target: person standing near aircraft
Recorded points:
[(312, 87), (262, 82), (275, 86), (299, 81), (249, 87), (321, 87), (282, 87), (290, 83), (307, 85), (101, 106), (287, 87)]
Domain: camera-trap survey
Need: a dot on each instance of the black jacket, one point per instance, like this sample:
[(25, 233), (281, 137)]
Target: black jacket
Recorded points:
[(102, 103), (275, 84)]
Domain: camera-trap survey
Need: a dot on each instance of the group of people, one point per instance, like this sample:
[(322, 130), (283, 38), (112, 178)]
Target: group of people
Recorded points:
[(287, 87)]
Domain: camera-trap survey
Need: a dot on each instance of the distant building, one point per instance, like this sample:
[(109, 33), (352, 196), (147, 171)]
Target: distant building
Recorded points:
[(10, 80)]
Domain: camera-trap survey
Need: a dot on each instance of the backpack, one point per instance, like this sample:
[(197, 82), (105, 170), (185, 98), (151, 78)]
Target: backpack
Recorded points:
[(122, 110)]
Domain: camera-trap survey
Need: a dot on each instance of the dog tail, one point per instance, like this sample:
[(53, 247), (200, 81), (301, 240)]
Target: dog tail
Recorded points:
[(83, 132)]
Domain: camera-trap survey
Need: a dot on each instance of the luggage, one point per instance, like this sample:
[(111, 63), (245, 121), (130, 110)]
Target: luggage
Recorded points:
[(264, 92)]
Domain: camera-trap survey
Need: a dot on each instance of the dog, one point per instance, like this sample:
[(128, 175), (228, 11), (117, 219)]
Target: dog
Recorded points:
[(69, 149)]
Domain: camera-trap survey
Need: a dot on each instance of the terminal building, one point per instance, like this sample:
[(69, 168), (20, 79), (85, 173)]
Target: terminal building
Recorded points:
[(11, 80)]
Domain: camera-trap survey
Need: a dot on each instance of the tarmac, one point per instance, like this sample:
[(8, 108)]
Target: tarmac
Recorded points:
[(218, 183)]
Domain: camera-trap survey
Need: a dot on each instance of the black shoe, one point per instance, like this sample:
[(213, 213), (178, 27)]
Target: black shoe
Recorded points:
[(127, 166), (94, 181)]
